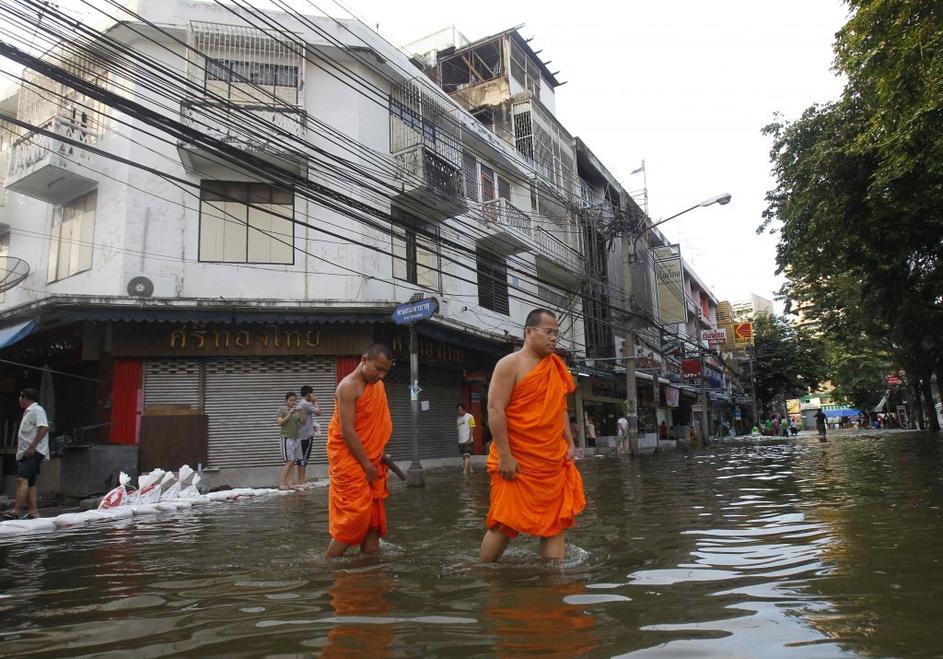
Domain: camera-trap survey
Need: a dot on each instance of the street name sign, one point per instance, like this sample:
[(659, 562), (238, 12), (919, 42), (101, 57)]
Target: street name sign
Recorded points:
[(413, 312)]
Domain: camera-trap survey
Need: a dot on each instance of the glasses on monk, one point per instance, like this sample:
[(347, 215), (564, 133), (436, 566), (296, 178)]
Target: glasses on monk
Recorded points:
[(549, 331)]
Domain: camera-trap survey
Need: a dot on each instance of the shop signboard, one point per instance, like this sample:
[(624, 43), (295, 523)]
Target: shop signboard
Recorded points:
[(714, 337), (669, 280), (893, 379), (743, 333), (691, 369), (672, 396), (647, 359)]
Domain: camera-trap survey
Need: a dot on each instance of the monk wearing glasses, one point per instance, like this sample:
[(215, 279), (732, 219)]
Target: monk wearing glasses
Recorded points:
[(535, 486)]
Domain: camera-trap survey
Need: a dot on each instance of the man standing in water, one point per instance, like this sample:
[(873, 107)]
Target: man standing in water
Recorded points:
[(465, 424), (535, 486), (820, 424), (359, 431)]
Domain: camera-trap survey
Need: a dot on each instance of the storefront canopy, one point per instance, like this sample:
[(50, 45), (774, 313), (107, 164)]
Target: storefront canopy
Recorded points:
[(844, 411), (12, 334)]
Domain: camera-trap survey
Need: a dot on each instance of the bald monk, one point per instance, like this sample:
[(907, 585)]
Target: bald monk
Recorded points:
[(358, 433), (535, 487)]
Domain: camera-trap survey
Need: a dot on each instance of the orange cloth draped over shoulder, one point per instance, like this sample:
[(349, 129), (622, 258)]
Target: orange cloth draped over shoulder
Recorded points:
[(547, 494), (354, 505)]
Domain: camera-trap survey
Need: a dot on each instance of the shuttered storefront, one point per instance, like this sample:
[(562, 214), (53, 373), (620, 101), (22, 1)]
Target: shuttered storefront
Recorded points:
[(437, 433), (242, 397), (172, 382)]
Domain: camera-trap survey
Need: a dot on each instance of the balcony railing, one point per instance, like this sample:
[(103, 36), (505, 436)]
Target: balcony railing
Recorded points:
[(420, 167), (35, 148), (252, 127), (551, 247), (502, 213), (48, 168), (4, 166)]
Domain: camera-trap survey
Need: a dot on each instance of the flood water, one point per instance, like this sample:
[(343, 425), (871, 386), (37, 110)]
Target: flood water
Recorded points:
[(798, 549)]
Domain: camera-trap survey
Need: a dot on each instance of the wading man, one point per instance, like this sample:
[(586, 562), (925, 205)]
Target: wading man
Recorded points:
[(356, 437), (31, 449), (535, 487)]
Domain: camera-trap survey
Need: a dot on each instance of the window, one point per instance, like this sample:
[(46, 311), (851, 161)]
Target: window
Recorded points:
[(552, 297), (4, 253), (246, 223), (415, 257), (492, 282), (240, 81), (470, 170), (70, 241)]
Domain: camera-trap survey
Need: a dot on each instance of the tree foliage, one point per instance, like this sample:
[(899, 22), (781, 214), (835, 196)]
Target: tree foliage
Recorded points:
[(858, 199), (789, 361)]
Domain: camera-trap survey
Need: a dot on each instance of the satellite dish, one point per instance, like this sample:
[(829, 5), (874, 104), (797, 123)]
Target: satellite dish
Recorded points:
[(12, 272)]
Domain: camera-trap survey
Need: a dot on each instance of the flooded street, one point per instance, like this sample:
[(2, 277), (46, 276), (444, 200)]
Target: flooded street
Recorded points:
[(797, 549)]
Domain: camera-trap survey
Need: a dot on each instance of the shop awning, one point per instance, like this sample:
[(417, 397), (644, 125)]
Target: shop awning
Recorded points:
[(880, 406), (844, 411), (177, 315), (12, 334)]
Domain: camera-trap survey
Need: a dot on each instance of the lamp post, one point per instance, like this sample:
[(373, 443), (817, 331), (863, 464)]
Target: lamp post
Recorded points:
[(628, 256)]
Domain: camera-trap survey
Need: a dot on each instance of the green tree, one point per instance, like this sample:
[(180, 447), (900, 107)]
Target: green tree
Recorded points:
[(789, 361), (858, 200)]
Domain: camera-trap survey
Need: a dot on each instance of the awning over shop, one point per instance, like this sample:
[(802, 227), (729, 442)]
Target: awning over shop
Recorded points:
[(12, 334), (177, 315), (880, 406), (844, 411)]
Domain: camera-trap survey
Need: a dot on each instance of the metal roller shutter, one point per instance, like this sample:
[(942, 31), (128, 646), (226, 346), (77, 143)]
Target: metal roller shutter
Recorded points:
[(242, 396), (437, 434), (171, 382)]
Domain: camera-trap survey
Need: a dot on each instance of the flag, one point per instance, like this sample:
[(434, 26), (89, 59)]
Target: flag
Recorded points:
[(639, 170)]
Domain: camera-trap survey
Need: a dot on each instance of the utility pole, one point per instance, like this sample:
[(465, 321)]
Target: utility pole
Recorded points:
[(631, 387), (705, 430), (756, 416)]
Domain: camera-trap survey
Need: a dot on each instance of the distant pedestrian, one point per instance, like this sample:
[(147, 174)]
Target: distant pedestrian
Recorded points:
[(290, 422), (623, 432), (590, 430), (820, 424), (663, 430), (309, 404), (465, 423), (32, 448)]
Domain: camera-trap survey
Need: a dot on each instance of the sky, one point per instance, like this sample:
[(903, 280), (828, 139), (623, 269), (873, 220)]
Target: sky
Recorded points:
[(686, 85)]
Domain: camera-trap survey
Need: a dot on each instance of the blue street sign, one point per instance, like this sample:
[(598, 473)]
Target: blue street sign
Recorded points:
[(737, 413), (413, 312)]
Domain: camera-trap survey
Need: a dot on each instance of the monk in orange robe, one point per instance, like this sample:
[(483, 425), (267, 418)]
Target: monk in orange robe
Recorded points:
[(535, 487), (356, 437)]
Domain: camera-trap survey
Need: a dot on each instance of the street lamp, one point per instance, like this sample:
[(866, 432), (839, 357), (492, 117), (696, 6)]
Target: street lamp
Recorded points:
[(628, 255)]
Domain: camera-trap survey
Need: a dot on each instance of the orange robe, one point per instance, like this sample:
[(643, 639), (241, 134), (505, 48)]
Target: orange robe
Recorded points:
[(354, 505), (547, 494)]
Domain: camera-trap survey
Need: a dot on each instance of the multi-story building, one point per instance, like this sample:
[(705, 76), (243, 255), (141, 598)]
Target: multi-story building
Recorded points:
[(255, 203), (750, 309)]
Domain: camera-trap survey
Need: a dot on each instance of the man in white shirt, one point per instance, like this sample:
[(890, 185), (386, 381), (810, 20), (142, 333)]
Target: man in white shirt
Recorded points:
[(623, 430), (32, 448), (466, 443)]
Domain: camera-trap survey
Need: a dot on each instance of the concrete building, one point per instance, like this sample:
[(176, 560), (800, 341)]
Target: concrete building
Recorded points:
[(750, 309), (310, 179)]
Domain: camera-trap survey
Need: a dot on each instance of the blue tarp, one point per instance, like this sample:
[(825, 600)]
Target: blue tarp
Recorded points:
[(845, 411), (13, 333)]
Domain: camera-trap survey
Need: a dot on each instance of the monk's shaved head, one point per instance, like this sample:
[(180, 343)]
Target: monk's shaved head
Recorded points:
[(378, 350), (535, 317)]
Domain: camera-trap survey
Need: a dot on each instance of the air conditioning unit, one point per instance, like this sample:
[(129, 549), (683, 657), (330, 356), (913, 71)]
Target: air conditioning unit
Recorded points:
[(145, 285)]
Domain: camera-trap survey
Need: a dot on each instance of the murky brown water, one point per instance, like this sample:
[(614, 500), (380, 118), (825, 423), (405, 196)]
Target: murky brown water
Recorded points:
[(800, 549)]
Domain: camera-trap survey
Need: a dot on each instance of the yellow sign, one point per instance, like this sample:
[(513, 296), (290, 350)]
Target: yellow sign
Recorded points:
[(742, 333)]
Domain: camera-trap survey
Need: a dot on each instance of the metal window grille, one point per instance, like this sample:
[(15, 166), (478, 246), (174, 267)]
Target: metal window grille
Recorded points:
[(418, 118)]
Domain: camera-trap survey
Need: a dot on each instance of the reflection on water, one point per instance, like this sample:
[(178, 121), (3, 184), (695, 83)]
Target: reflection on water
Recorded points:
[(799, 549)]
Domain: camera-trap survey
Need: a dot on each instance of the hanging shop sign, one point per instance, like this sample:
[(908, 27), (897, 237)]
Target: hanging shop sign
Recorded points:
[(669, 279), (743, 333), (672, 396), (647, 359), (714, 337)]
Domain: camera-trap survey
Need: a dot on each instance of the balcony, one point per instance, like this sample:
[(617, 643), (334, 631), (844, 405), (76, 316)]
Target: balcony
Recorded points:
[(556, 257), (431, 186), (509, 229), (265, 132), (49, 169)]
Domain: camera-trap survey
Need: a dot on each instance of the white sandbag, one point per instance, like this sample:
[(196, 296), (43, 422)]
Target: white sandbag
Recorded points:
[(40, 525), (70, 519), (222, 495), (144, 509), (96, 515), (183, 504), (166, 507), (118, 513), (200, 500), (184, 474), (10, 530)]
